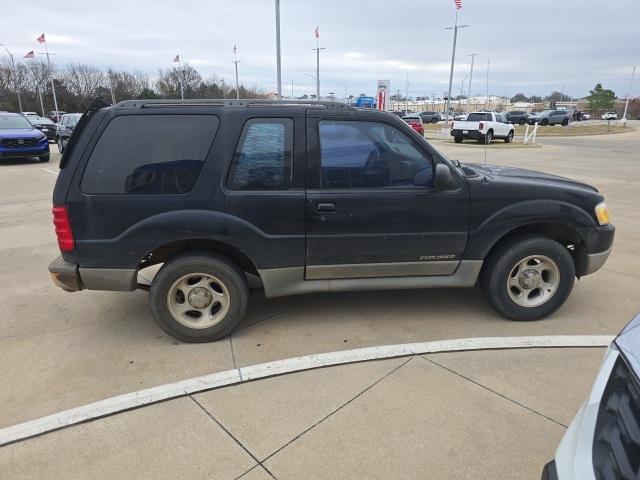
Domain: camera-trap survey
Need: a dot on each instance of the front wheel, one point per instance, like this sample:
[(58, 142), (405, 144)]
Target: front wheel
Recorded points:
[(528, 277), (44, 158), (509, 138), (198, 297), (434, 120)]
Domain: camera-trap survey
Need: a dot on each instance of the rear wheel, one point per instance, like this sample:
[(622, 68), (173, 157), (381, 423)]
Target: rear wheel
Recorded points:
[(199, 297), (60, 145), (488, 137), (528, 277), (458, 139), (544, 122), (434, 120), (509, 138), (565, 122), (44, 158)]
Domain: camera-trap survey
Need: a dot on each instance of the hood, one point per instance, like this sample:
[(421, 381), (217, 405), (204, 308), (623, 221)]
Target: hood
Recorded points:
[(502, 172), (628, 342), (20, 133)]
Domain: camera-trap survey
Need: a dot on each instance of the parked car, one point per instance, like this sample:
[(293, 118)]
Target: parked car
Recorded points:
[(603, 440), (45, 125), (517, 117), (430, 117), (461, 117), (415, 123), (29, 114), (19, 139), (550, 117), (447, 116), (314, 197), (65, 128), (585, 116), (609, 116), (54, 115), (484, 127)]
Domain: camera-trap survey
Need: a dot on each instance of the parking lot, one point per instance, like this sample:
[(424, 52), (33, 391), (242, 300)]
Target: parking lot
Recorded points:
[(482, 414)]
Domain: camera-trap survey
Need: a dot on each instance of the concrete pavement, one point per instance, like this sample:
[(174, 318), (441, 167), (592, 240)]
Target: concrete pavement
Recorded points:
[(62, 350)]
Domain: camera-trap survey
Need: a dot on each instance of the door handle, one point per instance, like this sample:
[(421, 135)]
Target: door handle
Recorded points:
[(326, 207)]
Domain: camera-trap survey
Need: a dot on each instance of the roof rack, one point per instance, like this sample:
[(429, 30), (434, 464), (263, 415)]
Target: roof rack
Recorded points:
[(242, 103)]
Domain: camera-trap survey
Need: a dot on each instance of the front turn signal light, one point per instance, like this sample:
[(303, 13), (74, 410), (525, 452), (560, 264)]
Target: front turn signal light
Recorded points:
[(603, 214)]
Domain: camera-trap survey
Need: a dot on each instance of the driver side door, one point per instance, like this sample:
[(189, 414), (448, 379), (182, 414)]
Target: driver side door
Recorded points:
[(366, 217)]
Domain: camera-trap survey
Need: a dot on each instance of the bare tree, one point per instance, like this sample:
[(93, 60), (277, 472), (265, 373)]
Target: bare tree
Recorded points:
[(172, 79), (82, 80), (127, 85)]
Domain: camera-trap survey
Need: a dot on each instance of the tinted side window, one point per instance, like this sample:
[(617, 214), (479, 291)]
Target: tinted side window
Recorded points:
[(479, 117), (263, 159), (369, 155), (149, 154)]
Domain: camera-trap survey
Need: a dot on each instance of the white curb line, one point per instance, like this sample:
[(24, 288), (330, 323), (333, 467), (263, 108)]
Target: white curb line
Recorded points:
[(151, 395)]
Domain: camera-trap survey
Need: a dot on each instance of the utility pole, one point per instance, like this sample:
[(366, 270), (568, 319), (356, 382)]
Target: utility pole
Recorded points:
[(406, 92), (13, 74), (455, 29), (278, 64), (488, 64), (473, 57), (113, 97), (236, 61), (317, 49), (626, 105), (292, 89)]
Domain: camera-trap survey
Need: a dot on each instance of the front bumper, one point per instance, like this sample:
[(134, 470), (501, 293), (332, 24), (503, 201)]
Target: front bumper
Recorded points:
[(25, 152), (72, 278), (597, 248)]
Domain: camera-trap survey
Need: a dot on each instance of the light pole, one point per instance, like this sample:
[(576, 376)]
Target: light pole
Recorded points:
[(626, 105), (278, 64), (42, 39), (473, 57), (13, 73), (317, 49), (236, 61), (455, 29)]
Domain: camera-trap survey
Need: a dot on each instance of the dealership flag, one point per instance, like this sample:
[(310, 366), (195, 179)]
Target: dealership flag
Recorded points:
[(317, 33), (458, 4), (29, 55), (41, 39), (177, 59)]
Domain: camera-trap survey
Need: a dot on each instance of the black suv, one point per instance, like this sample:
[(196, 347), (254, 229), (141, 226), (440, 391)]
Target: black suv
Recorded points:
[(314, 197)]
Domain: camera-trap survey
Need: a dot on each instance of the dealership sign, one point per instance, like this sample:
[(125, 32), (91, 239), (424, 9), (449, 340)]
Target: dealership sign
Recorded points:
[(382, 95)]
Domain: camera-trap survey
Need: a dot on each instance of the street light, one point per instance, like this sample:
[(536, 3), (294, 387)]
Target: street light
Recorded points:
[(13, 72), (473, 57)]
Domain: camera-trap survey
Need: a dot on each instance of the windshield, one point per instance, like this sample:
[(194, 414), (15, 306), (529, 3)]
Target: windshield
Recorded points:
[(479, 117), (40, 120), (14, 121)]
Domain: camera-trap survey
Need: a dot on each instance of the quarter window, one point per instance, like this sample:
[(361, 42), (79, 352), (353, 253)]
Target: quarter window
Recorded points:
[(150, 154), (356, 154), (263, 159)]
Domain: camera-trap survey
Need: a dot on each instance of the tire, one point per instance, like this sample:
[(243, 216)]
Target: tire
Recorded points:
[(44, 158), (458, 139), (544, 122), (565, 122), (509, 138), (60, 145), (522, 122), (509, 296), (488, 137), (206, 278), (434, 120)]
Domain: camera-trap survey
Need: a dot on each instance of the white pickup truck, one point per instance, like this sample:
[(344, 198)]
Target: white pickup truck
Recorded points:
[(484, 127)]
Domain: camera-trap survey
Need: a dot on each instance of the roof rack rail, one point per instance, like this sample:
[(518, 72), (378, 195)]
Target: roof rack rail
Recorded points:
[(241, 103)]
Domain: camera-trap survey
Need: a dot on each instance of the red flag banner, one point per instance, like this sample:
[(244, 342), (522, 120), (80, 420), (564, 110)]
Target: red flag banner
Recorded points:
[(317, 33), (458, 4), (41, 39), (29, 55), (177, 59)]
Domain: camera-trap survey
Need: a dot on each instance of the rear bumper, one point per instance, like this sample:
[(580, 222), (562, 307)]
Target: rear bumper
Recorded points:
[(475, 134), (72, 278)]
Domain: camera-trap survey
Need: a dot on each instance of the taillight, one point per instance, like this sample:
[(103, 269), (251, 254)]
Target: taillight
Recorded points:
[(63, 229), (481, 126)]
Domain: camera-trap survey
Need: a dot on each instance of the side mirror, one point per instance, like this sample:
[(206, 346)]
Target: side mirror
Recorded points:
[(444, 179)]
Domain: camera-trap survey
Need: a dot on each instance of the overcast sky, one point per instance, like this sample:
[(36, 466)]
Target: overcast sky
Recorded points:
[(534, 46)]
